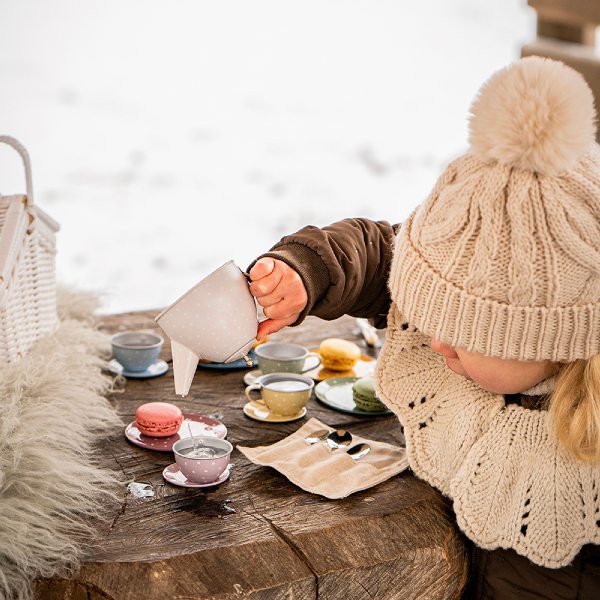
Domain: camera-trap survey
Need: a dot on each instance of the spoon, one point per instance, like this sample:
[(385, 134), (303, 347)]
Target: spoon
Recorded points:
[(317, 436), (340, 438), (195, 447), (358, 451)]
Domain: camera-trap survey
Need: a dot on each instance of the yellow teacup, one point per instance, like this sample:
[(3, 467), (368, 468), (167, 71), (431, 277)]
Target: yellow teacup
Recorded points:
[(283, 394)]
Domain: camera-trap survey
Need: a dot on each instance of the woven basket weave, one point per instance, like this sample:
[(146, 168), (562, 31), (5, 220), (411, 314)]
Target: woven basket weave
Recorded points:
[(27, 269)]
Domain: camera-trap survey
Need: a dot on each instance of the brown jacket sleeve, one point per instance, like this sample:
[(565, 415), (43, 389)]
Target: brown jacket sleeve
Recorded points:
[(344, 267)]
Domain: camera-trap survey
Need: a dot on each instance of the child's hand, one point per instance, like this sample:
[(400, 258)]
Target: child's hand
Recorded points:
[(280, 291)]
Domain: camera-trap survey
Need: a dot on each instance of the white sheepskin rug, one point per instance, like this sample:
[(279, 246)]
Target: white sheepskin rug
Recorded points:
[(51, 491)]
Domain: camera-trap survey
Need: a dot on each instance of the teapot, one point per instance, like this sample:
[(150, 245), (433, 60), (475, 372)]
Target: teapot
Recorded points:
[(216, 320)]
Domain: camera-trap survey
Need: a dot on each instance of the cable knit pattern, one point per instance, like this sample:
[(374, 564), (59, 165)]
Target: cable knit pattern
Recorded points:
[(511, 483), (513, 254)]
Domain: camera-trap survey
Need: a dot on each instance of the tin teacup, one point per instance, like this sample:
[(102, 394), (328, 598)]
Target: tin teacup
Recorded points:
[(136, 350), (283, 394), (205, 464), (281, 357)]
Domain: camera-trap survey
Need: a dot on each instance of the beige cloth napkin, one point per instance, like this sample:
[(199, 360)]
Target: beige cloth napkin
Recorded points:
[(330, 473)]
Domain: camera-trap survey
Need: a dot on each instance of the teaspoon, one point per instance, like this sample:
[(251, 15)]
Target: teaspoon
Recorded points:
[(359, 451), (340, 438), (317, 436)]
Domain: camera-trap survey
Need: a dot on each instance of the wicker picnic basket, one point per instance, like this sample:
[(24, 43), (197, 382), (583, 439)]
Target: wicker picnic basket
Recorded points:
[(27, 272)]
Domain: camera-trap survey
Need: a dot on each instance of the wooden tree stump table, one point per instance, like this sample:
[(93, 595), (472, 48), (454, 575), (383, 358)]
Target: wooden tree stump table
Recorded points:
[(258, 535)]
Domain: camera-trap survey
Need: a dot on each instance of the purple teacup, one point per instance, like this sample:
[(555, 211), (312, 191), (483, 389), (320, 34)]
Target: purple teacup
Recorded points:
[(202, 458)]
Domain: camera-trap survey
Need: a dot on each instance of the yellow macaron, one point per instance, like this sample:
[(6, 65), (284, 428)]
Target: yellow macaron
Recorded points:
[(338, 355)]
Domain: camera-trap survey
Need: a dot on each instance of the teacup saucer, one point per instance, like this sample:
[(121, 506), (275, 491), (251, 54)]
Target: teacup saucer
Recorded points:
[(156, 369), (240, 363), (258, 413), (363, 367), (173, 475), (251, 376), (199, 424)]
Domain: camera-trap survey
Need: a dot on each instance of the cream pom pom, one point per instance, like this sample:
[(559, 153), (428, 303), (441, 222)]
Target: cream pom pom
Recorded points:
[(536, 114)]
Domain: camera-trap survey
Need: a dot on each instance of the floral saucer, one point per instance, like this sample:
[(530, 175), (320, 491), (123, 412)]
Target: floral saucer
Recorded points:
[(173, 475), (259, 412), (156, 369)]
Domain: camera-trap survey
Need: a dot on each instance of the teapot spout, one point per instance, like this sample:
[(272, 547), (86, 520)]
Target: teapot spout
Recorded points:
[(184, 367)]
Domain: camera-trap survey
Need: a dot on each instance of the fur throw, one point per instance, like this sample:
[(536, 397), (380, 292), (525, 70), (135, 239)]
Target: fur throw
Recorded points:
[(51, 405)]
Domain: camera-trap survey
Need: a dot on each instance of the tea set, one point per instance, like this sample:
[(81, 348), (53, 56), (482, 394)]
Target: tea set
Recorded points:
[(214, 325)]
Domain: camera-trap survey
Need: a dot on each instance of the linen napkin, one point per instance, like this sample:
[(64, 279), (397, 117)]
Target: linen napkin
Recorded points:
[(330, 473)]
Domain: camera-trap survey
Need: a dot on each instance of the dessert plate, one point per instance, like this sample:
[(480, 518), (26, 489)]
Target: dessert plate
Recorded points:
[(337, 394), (173, 475), (363, 367), (199, 424), (259, 413), (156, 369)]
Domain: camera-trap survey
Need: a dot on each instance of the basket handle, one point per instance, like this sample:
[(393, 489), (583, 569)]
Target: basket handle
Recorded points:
[(11, 141)]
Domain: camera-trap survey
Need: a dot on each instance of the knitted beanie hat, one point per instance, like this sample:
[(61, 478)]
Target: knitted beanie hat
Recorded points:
[(503, 258)]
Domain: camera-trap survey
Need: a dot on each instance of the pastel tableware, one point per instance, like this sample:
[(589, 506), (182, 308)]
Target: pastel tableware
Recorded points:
[(283, 394), (136, 350), (281, 357), (365, 366), (216, 320), (240, 363), (156, 369), (336, 393), (173, 475), (202, 459), (200, 425), (259, 412), (250, 377)]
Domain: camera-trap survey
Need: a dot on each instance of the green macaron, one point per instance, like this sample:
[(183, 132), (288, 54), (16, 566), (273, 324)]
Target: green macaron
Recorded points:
[(363, 393)]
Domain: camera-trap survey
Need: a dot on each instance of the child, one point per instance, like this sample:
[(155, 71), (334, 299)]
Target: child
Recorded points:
[(491, 295)]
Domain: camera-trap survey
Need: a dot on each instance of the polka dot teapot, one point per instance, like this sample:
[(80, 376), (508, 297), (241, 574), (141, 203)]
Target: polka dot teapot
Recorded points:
[(216, 320)]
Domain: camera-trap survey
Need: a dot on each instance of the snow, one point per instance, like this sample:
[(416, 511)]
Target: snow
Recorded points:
[(167, 138)]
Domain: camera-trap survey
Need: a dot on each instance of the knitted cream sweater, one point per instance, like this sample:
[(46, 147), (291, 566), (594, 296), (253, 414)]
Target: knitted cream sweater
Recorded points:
[(512, 484)]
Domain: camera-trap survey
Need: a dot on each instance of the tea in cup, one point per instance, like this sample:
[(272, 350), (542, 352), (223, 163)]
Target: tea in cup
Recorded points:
[(283, 394), (202, 458), (281, 357), (136, 350)]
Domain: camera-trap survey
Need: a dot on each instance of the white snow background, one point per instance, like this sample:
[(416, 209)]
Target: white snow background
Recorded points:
[(169, 137)]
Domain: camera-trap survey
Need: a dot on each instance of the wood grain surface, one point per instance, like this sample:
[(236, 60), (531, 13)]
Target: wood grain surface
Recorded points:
[(257, 535)]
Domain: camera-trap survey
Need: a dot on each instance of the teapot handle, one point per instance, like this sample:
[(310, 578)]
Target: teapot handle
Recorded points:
[(260, 315), (14, 143)]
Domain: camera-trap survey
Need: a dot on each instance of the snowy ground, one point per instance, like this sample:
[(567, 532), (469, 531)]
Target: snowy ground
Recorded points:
[(169, 137)]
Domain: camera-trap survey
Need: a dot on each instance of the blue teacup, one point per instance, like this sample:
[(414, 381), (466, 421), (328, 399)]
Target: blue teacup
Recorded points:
[(136, 350)]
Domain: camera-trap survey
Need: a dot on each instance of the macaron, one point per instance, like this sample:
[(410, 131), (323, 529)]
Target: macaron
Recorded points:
[(363, 393), (338, 355), (158, 419)]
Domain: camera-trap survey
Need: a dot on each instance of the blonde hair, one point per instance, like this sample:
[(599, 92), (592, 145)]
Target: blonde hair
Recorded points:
[(574, 408)]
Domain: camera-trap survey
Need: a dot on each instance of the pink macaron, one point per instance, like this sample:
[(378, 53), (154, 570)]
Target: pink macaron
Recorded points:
[(158, 419)]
